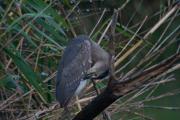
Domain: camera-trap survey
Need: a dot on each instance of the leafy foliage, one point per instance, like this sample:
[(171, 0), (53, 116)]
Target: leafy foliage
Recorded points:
[(33, 34)]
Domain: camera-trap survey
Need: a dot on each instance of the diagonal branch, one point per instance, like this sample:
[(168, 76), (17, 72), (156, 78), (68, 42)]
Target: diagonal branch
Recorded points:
[(117, 89)]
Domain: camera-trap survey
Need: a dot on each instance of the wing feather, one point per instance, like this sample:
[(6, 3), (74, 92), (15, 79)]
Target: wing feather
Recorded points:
[(76, 60)]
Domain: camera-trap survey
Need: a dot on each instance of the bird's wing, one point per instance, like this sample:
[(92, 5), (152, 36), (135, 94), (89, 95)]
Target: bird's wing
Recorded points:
[(75, 61)]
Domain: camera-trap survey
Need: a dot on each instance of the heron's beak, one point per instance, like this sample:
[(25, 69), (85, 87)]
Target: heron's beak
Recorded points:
[(91, 75)]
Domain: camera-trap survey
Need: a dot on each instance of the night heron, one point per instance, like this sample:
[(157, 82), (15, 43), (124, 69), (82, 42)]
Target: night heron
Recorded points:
[(82, 59)]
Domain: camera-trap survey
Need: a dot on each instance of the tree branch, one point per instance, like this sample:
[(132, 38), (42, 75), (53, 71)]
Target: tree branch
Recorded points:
[(116, 89)]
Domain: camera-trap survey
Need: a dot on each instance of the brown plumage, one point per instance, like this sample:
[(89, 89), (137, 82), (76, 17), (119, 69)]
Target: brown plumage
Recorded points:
[(81, 57)]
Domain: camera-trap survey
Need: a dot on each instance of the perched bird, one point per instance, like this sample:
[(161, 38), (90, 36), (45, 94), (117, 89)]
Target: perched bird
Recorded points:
[(82, 59)]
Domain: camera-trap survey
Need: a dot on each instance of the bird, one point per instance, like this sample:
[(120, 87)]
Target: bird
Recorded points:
[(82, 60)]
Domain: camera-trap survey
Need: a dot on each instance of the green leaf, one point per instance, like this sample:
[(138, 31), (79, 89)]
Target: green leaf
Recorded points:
[(30, 75)]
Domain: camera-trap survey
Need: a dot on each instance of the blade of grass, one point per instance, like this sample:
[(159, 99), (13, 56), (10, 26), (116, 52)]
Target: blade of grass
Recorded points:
[(30, 75)]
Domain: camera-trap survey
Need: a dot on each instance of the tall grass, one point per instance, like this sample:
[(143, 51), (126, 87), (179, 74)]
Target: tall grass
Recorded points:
[(33, 34)]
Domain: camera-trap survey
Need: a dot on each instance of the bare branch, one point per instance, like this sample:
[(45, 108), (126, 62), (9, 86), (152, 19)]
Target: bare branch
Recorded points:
[(117, 89)]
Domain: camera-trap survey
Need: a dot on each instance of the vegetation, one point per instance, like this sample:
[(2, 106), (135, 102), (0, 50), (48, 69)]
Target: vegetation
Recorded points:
[(33, 34)]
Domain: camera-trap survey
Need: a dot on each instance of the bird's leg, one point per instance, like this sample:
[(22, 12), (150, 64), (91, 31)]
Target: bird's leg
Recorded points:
[(93, 74), (94, 85)]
